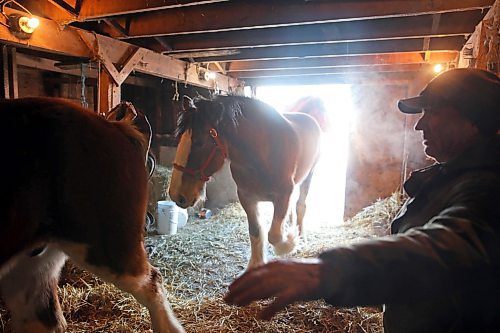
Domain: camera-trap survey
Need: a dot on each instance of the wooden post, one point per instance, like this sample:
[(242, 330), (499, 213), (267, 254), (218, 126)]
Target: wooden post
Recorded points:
[(8, 74), (108, 92)]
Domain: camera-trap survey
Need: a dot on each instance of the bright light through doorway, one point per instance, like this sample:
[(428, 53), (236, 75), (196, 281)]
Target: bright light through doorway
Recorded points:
[(325, 203)]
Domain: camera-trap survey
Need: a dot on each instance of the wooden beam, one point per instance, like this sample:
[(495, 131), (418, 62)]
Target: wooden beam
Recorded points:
[(117, 27), (96, 9), (453, 43), (237, 15), (51, 39), (452, 24), (221, 68), (49, 9), (399, 78), (65, 6), (436, 18), (294, 72), (109, 93), (343, 61), (9, 72), (90, 69), (136, 55), (202, 54)]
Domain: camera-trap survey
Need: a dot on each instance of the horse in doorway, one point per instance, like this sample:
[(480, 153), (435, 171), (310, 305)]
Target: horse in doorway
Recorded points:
[(315, 107), (272, 159)]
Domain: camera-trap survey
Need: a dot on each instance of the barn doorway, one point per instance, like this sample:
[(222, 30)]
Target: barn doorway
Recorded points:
[(326, 197)]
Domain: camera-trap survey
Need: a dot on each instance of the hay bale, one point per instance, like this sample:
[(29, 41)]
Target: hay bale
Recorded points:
[(378, 216)]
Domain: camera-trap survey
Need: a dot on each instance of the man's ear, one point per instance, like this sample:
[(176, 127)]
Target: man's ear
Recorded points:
[(187, 103)]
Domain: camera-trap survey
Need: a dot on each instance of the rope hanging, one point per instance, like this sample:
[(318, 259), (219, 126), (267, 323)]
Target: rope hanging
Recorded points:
[(83, 98)]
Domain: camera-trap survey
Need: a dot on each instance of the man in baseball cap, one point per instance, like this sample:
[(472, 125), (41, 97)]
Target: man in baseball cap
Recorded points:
[(440, 268), (474, 92)]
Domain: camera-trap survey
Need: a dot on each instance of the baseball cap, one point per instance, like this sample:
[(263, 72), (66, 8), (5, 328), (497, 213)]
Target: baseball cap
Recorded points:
[(474, 92)]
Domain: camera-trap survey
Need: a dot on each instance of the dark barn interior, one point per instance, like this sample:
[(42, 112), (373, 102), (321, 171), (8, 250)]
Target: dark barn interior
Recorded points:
[(151, 53)]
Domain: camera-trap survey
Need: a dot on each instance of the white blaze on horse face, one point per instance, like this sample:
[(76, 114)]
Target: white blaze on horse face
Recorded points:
[(181, 158)]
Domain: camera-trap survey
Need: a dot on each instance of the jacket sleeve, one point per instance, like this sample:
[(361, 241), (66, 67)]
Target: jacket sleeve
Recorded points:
[(457, 248)]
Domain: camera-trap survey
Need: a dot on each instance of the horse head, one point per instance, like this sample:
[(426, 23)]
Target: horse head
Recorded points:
[(201, 150)]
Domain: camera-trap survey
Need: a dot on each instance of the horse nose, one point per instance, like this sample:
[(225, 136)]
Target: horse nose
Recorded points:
[(181, 201)]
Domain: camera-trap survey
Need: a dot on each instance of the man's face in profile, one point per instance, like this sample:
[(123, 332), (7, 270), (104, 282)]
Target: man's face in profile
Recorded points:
[(446, 132)]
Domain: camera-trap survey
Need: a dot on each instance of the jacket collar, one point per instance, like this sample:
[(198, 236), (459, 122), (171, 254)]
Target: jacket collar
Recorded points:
[(484, 154)]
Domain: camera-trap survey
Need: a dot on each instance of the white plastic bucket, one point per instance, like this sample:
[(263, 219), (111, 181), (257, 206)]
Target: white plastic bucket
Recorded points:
[(182, 218), (168, 217)]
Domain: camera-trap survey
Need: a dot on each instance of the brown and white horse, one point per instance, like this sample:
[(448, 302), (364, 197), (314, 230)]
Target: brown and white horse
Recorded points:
[(272, 159), (73, 184)]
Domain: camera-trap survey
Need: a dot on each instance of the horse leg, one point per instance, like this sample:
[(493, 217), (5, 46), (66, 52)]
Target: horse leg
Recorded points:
[(301, 202), (29, 290), (282, 245), (137, 277), (257, 238)]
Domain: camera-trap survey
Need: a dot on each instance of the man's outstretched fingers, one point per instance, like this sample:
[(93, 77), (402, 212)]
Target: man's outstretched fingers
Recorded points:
[(281, 301), (251, 292)]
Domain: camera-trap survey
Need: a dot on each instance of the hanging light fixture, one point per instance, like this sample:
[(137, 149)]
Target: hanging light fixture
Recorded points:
[(22, 25)]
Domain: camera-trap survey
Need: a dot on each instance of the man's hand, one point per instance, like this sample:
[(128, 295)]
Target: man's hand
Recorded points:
[(286, 280)]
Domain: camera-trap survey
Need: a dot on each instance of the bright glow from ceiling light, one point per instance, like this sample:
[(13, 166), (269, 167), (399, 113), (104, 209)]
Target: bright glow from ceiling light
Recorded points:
[(33, 23), (28, 25), (210, 75), (438, 68)]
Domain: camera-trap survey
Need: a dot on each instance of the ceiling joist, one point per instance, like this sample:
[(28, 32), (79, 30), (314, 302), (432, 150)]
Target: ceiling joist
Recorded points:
[(241, 15), (384, 29), (280, 38), (344, 61)]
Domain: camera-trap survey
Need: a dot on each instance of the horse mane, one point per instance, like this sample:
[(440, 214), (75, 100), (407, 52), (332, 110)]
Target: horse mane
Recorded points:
[(220, 110)]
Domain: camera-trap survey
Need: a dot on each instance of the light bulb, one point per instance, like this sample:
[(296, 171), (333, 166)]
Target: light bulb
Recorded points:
[(28, 25), (438, 68)]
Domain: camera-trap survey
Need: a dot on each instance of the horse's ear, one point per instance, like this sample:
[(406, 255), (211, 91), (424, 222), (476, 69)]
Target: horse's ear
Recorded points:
[(187, 103)]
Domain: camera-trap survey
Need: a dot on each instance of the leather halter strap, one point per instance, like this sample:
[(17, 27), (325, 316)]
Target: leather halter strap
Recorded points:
[(200, 172)]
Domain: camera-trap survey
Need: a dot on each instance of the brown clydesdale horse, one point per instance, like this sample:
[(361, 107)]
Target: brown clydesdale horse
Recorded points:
[(315, 107), (73, 184), (272, 159)]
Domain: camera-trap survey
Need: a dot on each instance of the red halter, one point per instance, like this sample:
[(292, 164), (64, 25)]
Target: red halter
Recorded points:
[(200, 173)]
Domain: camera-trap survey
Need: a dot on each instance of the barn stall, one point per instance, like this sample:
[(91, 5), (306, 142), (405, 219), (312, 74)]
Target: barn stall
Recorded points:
[(151, 54)]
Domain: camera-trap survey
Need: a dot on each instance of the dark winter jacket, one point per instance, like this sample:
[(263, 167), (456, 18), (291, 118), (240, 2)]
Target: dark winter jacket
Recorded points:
[(440, 271)]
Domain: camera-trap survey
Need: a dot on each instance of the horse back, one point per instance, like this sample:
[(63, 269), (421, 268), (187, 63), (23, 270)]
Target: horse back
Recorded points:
[(63, 175)]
